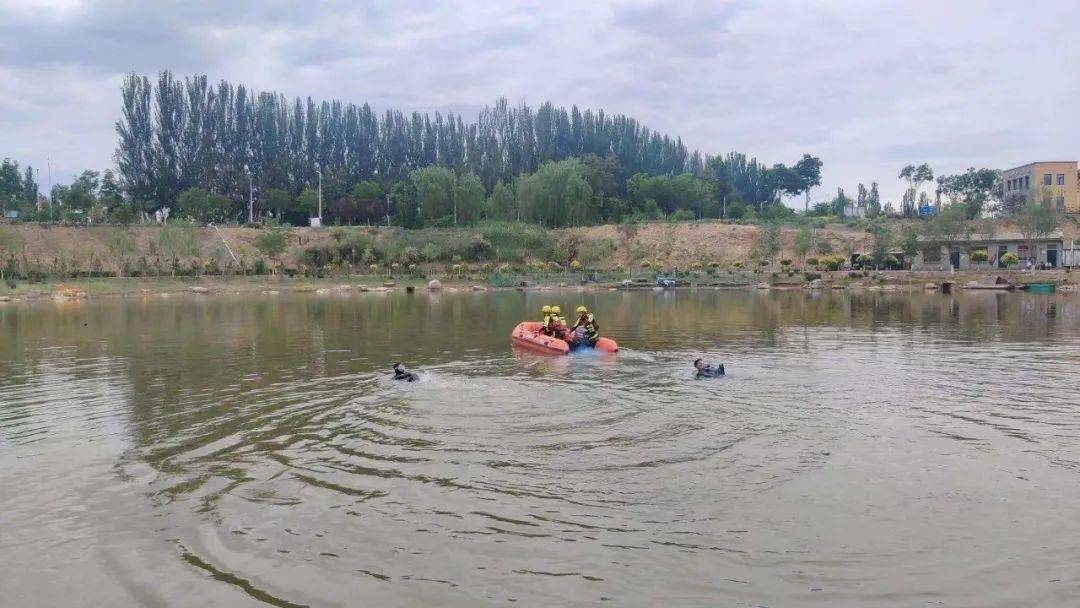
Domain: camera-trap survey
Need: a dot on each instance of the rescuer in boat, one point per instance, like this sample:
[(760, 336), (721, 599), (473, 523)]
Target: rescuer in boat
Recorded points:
[(704, 370), (558, 324), (546, 328), (587, 321)]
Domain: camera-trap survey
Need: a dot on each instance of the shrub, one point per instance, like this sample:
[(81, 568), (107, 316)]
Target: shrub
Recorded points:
[(832, 262), (352, 248), (738, 265), (785, 262), (317, 256), (892, 261), (374, 268), (1010, 259), (597, 251), (812, 261), (864, 259), (480, 248), (271, 243), (575, 265), (646, 264), (513, 241), (179, 241), (430, 252), (979, 255), (410, 255)]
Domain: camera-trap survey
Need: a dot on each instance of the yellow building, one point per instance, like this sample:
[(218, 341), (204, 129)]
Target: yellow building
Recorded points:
[(1054, 182)]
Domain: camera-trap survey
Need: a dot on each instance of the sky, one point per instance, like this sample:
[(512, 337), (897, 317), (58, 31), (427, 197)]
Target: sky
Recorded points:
[(868, 86)]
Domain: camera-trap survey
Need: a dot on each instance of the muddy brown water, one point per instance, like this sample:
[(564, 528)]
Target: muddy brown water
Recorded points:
[(875, 449)]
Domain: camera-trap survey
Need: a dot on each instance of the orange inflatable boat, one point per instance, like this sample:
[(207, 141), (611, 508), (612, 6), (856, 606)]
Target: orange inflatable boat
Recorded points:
[(527, 335)]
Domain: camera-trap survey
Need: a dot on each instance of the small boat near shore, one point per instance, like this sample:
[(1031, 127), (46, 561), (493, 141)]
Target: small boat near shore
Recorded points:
[(527, 335)]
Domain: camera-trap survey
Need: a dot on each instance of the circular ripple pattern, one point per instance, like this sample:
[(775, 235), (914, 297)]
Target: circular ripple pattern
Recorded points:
[(871, 450)]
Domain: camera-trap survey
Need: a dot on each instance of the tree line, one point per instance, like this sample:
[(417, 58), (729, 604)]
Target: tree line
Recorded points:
[(217, 146)]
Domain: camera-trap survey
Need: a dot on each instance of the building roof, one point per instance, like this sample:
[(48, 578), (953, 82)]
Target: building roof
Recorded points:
[(1003, 237), (1042, 162)]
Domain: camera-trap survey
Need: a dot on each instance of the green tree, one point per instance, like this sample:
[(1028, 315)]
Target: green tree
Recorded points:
[(272, 243), (880, 230), (873, 201), (1036, 221), (809, 171), (805, 240), (123, 246), (468, 198), (11, 242), (947, 224), (203, 206), (766, 242), (915, 178), (110, 192), (556, 195), (11, 186), (909, 242), (978, 189), (501, 204), (308, 202), (276, 201)]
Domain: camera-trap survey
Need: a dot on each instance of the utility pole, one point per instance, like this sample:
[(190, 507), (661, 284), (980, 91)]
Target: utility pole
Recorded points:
[(48, 164), (251, 198), (319, 171)]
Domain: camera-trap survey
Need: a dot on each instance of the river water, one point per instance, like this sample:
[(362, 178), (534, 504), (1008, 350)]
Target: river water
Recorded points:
[(874, 449)]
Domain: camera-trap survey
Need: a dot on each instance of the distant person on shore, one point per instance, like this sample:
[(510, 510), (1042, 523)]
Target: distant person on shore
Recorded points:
[(400, 373), (704, 370)]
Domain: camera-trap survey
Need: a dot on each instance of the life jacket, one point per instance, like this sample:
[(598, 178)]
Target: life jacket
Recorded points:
[(590, 326)]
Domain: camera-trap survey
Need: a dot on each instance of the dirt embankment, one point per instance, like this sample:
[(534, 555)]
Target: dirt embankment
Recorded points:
[(679, 245), (665, 244)]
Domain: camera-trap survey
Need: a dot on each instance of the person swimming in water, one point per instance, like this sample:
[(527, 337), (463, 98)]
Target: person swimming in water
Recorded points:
[(704, 370), (400, 373)]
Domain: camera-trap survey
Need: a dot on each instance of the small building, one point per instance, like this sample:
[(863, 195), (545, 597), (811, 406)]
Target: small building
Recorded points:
[(1055, 180), (1045, 251)]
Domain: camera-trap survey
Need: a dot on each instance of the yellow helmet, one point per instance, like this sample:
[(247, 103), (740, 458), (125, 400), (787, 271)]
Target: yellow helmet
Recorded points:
[(546, 310), (555, 310), (582, 309)]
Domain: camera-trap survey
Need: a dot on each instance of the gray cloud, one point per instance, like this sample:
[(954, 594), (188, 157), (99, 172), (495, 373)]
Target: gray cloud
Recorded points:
[(868, 87)]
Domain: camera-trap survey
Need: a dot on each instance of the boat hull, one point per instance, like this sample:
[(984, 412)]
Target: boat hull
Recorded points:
[(527, 335)]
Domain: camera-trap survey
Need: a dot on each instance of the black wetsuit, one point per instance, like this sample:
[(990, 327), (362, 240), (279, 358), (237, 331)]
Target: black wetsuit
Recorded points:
[(710, 372), (400, 373)]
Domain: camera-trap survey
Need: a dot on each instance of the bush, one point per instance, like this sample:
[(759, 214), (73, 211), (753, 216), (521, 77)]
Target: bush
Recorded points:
[(597, 251), (785, 263), (480, 248), (864, 260), (317, 256), (512, 241), (271, 243), (374, 268), (812, 261), (260, 266), (979, 255), (1010, 259), (575, 265), (646, 264), (892, 261), (832, 262)]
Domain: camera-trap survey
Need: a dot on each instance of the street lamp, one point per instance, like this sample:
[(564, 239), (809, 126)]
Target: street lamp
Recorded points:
[(251, 196), (320, 172)]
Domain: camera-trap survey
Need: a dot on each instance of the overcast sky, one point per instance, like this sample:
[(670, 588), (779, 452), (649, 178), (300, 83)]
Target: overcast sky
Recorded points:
[(868, 86)]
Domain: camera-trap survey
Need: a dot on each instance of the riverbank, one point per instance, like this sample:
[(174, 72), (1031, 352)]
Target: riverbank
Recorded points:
[(108, 287)]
